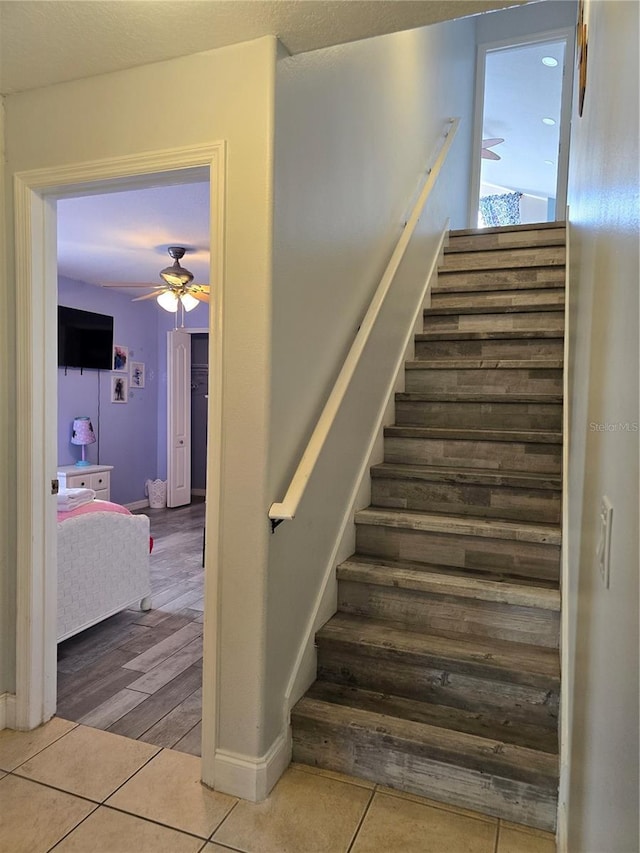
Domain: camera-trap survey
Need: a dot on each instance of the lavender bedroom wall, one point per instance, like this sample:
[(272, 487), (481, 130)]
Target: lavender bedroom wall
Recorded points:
[(127, 434)]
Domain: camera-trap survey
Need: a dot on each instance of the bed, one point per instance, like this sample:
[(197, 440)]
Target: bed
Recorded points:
[(103, 565)]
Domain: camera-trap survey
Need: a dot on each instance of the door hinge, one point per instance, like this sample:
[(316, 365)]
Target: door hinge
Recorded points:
[(55, 486)]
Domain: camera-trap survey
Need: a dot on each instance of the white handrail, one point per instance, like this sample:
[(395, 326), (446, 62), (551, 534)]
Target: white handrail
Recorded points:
[(286, 510)]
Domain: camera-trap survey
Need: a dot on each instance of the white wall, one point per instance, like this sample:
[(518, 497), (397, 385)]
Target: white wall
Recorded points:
[(225, 94), (355, 128), (7, 580), (525, 21), (600, 681)]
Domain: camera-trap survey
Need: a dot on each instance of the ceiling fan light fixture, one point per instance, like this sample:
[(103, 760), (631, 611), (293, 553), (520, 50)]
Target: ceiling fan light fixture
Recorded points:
[(189, 302), (168, 301)]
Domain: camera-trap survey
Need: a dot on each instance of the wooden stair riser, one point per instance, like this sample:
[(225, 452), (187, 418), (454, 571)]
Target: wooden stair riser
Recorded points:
[(482, 380), (491, 301), (450, 615), (512, 258), (370, 755), (507, 348), (475, 281), (338, 700), (438, 685), (499, 556), (489, 501), (486, 240), (458, 453), (532, 322), (492, 415)]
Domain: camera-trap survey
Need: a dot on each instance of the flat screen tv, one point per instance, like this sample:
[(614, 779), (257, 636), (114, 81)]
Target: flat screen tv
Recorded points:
[(85, 339)]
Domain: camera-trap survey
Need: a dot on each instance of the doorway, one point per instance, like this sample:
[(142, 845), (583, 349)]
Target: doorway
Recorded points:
[(35, 198), (523, 109)]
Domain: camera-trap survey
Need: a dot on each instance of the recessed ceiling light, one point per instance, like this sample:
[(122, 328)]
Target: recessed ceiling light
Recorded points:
[(549, 61), (548, 121), (549, 162)]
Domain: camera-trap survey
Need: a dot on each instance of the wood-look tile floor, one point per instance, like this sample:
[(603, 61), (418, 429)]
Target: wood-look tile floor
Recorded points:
[(140, 674)]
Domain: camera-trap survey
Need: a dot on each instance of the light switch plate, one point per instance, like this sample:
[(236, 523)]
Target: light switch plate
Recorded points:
[(603, 551)]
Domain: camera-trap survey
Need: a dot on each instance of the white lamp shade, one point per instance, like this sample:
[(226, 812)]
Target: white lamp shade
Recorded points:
[(82, 431), (168, 301), (189, 302)]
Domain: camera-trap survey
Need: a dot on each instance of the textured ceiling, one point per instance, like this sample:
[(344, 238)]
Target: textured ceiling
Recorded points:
[(50, 41)]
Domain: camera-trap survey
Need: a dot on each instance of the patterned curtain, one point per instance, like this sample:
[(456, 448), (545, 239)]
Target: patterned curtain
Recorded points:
[(500, 209)]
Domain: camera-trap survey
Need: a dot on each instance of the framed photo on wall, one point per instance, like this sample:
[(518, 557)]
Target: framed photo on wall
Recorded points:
[(120, 361), (137, 374), (119, 389)]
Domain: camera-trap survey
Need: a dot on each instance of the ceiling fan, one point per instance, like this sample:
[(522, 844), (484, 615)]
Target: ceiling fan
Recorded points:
[(486, 145), (177, 288)]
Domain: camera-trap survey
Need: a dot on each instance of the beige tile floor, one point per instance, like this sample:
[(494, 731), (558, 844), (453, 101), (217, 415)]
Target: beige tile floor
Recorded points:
[(72, 789)]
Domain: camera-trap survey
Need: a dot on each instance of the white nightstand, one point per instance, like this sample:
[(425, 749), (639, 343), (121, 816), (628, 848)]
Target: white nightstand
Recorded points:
[(96, 477)]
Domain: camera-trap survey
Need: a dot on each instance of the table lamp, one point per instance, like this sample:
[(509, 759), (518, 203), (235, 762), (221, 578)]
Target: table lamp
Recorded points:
[(82, 433)]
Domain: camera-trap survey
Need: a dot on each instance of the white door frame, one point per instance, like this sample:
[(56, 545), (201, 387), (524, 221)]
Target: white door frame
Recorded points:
[(35, 194), (563, 33)]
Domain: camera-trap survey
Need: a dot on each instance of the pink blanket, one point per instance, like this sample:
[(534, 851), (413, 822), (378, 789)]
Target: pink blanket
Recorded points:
[(94, 506)]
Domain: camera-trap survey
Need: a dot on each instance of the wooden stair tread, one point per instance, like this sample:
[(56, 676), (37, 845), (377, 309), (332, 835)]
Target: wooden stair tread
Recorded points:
[(455, 571), (508, 335), (497, 308), (559, 224), (491, 528), (495, 659), (475, 397), (454, 719), (489, 335), (475, 476), (447, 583), (485, 364), (535, 436)]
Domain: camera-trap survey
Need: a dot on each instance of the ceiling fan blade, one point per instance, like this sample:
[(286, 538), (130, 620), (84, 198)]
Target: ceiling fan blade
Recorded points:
[(131, 284), (489, 155), (203, 297), (199, 288), (152, 295), (489, 143)]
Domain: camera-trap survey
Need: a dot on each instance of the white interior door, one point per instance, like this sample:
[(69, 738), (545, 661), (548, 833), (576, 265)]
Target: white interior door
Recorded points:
[(178, 418)]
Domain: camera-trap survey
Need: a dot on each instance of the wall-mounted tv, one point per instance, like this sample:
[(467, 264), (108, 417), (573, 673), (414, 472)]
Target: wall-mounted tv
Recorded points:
[(85, 339)]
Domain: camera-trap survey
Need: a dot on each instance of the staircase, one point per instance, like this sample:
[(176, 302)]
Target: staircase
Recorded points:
[(439, 675)]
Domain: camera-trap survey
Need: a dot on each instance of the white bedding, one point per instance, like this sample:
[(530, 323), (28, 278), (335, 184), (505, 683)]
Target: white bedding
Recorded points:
[(103, 568)]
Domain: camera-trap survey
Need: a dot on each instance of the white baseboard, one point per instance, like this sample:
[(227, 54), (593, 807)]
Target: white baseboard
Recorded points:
[(199, 493), (562, 838), (7, 711), (138, 504), (252, 778)]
